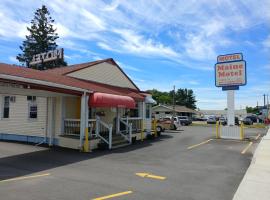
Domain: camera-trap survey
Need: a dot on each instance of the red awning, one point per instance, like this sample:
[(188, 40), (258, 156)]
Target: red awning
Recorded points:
[(111, 100)]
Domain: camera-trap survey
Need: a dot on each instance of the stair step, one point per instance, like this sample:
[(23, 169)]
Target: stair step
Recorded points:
[(120, 145)]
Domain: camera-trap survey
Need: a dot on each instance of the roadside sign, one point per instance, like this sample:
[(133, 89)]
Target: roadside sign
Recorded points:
[(47, 56), (231, 73)]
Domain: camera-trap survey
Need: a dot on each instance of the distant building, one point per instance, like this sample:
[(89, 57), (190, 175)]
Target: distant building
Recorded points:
[(220, 113), (160, 111)]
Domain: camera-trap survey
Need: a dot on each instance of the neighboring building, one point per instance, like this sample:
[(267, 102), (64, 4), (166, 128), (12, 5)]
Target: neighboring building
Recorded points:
[(222, 113), (57, 106), (161, 111)]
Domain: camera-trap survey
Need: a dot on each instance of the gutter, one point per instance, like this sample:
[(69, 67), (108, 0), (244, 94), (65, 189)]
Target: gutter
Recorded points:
[(45, 83)]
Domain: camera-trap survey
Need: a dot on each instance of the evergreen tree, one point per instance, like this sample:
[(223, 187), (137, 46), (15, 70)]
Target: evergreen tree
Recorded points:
[(42, 38)]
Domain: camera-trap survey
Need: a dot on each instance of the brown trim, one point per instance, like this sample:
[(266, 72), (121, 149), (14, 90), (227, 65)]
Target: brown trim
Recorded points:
[(43, 87)]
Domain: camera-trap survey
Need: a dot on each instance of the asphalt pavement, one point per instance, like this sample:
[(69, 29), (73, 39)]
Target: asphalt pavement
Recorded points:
[(184, 164)]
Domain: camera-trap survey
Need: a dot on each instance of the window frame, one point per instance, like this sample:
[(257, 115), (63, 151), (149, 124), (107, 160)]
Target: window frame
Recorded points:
[(4, 107), (32, 103)]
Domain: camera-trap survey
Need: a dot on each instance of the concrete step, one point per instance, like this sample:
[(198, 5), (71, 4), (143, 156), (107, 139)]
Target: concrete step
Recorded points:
[(117, 142)]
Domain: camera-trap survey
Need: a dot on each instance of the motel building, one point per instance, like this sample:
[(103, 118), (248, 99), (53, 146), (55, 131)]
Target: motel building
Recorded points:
[(63, 106)]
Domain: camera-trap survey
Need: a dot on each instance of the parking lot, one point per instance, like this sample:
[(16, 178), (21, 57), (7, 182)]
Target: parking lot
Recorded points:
[(183, 164)]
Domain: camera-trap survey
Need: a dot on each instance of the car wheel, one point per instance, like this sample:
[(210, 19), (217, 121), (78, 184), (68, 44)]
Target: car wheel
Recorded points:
[(159, 129)]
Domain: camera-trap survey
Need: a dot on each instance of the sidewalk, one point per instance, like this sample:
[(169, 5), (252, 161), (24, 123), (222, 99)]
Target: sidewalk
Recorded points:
[(256, 182)]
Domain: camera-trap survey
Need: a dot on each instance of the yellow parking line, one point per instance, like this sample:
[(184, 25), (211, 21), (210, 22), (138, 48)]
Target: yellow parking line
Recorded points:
[(196, 145), (247, 147), (258, 136), (113, 195), (24, 177)]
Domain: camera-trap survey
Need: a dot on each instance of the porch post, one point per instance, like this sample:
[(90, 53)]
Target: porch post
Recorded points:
[(117, 121), (63, 113), (51, 121), (84, 118)]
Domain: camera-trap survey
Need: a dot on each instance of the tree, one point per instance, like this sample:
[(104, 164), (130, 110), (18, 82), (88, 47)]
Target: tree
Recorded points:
[(183, 97), (42, 38)]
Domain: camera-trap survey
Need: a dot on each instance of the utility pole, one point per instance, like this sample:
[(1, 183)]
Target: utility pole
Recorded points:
[(264, 100), (174, 101)]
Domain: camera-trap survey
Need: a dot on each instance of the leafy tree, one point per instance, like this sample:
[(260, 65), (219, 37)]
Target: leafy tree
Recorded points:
[(254, 110), (42, 38), (183, 97)]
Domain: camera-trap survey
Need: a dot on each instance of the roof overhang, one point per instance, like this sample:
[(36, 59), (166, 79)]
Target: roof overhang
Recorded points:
[(45, 85)]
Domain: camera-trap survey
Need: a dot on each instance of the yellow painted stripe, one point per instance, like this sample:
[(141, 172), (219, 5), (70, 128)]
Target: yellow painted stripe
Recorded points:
[(156, 177), (24, 177), (113, 195), (196, 145), (247, 147), (258, 136)]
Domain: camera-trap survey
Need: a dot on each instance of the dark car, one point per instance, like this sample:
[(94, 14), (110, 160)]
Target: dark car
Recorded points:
[(224, 121), (252, 118), (247, 121), (184, 120)]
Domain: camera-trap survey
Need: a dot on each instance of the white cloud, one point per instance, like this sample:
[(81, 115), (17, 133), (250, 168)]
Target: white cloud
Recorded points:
[(266, 42)]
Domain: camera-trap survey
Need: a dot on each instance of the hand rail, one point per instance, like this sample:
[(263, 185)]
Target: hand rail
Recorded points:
[(128, 131), (108, 126)]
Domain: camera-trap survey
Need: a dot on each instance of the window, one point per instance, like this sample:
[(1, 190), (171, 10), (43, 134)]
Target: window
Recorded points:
[(6, 107), (32, 107)]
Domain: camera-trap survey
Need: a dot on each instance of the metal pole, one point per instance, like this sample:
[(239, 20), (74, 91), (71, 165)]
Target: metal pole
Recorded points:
[(230, 106), (174, 101), (263, 100)]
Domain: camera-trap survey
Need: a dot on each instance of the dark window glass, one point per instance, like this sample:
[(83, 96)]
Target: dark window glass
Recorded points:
[(6, 107), (32, 110)]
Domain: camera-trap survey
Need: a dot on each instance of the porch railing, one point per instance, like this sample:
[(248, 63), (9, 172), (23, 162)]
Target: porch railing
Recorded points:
[(135, 121), (126, 132), (96, 128), (72, 127), (106, 136)]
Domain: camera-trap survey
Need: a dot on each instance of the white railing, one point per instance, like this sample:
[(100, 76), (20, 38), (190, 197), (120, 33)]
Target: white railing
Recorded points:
[(135, 121), (102, 125), (72, 127), (127, 131)]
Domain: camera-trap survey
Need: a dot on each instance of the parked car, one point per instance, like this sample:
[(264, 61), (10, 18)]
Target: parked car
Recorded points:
[(166, 124), (253, 118), (211, 120), (247, 121), (223, 121), (184, 120)]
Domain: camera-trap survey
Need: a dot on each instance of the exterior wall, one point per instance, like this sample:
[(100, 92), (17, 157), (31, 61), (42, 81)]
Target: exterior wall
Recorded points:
[(18, 121), (104, 73), (72, 107)]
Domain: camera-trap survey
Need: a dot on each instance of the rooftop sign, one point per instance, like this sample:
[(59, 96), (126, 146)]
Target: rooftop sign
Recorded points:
[(47, 56), (230, 70)]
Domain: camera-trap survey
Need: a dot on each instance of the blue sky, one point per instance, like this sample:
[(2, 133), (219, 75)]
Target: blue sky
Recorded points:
[(158, 43)]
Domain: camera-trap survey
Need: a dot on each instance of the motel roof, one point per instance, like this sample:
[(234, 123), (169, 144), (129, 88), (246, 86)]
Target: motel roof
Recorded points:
[(8, 72)]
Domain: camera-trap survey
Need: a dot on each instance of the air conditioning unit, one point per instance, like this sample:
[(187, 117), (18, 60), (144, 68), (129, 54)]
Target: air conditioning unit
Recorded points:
[(12, 99)]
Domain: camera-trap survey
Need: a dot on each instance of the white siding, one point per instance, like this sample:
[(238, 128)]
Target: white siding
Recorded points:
[(18, 121), (104, 73)]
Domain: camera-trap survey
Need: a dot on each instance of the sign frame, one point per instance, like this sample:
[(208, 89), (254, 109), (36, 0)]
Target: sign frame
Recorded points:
[(241, 54), (225, 85)]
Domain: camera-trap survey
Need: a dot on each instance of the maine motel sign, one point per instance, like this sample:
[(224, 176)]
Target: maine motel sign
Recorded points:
[(230, 73)]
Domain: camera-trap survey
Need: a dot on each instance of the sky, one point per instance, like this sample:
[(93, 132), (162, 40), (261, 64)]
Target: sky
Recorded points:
[(158, 43)]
